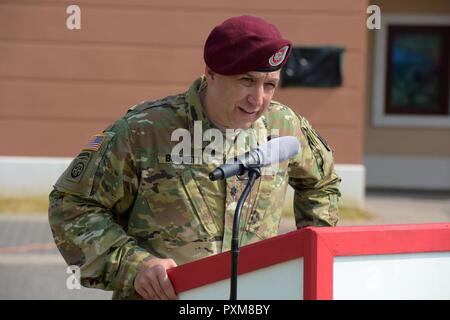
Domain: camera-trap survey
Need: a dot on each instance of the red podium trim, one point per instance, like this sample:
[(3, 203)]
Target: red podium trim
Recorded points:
[(318, 247), (251, 257)]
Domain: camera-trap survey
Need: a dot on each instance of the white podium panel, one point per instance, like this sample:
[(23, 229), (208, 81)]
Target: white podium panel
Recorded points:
[(399, 276), (283, 281)]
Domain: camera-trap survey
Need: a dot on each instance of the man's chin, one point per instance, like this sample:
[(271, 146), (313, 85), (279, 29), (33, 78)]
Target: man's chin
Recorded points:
[(246, 124), (243, 126)]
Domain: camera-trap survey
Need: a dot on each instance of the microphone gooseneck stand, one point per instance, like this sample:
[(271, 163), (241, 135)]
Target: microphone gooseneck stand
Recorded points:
[(253, 174)]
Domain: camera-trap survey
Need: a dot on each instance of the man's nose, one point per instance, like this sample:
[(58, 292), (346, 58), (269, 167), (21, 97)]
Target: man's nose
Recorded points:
[(256, 97)]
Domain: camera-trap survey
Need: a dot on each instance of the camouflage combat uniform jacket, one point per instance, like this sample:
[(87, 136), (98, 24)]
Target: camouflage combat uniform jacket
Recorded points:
[(123, 200)]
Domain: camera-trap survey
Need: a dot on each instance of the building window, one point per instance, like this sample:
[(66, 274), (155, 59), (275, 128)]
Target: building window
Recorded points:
[(411, 74)]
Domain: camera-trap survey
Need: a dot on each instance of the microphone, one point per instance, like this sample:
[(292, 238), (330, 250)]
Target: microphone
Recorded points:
[(274, 151)]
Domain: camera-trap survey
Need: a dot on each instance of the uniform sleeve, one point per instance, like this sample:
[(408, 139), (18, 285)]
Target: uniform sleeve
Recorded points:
[(314, 180), (86, 206)]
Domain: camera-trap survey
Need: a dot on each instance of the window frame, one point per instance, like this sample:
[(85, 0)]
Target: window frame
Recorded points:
[(380, 113)]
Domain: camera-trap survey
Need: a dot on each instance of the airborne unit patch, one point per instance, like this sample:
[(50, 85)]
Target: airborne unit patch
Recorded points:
[(78, 167)]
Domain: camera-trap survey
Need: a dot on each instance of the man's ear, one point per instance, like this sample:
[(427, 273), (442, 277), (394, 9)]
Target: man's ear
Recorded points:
[(210, 74)]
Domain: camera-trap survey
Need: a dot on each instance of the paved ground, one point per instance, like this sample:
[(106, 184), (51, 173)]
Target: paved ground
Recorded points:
[(393, 207), (31, 267)]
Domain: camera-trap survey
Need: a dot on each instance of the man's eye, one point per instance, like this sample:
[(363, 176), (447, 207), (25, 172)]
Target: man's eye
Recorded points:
[(271, 85), (247, 81)]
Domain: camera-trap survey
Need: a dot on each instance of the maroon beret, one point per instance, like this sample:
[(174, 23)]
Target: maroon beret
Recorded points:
[(245, 43)]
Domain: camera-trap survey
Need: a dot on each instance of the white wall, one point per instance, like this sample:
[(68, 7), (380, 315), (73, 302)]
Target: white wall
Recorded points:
[(30, 176), (35, 176), (408, 172)]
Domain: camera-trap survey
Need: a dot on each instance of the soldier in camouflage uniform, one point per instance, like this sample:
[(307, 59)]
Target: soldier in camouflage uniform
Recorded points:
[(125, 212)]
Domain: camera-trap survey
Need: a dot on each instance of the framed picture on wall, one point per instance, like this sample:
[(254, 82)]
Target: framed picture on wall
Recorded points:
[(417, 70), (412, 71)]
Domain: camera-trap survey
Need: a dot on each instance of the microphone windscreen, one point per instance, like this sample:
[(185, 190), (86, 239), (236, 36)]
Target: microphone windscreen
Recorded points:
[(278, 150)]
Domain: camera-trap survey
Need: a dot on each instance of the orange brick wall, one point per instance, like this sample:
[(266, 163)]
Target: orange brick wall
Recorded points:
[(60, 86)]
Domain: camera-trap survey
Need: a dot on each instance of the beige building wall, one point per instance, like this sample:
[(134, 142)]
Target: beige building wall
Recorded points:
[(416, 142), (60, 86)]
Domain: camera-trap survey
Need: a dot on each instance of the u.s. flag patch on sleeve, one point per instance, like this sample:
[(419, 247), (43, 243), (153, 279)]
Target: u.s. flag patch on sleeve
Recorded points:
[(95, 143)]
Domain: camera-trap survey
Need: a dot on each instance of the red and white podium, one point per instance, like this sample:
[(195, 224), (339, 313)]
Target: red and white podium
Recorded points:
[(367, 262)]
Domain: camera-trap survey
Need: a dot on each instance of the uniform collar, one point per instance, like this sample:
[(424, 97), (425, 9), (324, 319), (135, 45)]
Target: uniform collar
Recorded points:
[(194, 104)]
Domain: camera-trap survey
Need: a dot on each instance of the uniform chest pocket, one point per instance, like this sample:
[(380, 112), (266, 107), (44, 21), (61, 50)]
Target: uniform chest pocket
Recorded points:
[(266, 215), (197, 200), (174, 209)]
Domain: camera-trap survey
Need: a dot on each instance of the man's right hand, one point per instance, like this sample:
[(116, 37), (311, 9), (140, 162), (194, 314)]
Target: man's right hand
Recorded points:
[(152, 282)]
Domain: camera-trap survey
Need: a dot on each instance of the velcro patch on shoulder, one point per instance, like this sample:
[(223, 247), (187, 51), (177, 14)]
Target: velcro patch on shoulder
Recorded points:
[(94, 143), (78, 167), (79, 177)]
